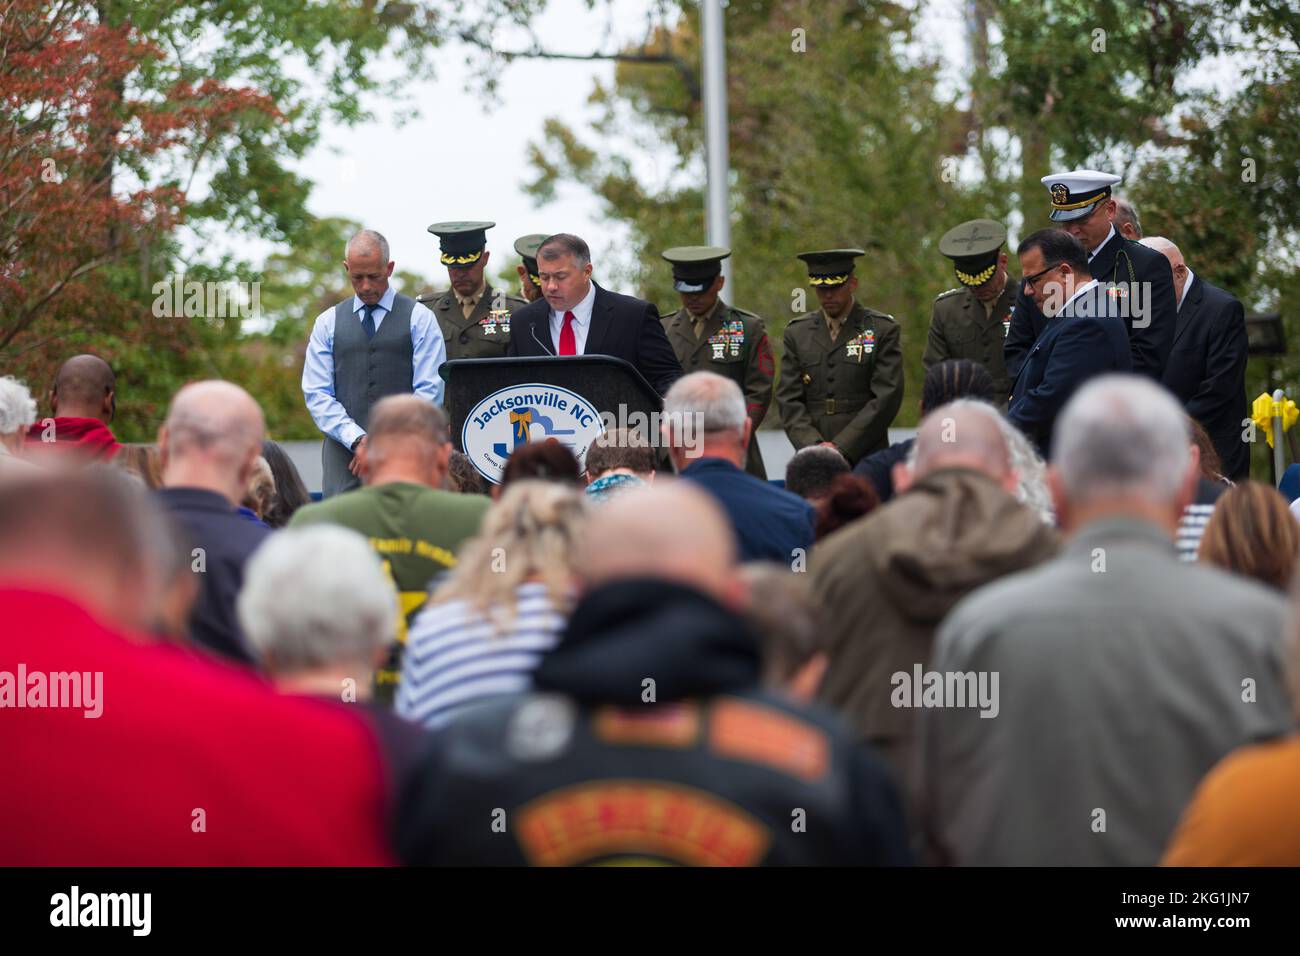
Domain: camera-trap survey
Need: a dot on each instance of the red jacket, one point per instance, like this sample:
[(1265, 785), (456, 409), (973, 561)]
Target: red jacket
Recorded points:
[(89, 436), (279, 780)]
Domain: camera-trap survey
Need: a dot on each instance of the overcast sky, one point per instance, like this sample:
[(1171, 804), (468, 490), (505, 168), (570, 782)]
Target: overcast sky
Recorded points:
[(461, 160)]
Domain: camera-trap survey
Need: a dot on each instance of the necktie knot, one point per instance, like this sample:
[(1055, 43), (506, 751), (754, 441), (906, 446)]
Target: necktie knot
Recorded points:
[(368, 321)]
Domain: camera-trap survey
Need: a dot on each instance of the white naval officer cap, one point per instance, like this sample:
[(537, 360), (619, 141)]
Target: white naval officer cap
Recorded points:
[(1074, 193)]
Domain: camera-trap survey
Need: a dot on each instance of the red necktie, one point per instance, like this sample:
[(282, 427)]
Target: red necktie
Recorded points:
[(568, 344)]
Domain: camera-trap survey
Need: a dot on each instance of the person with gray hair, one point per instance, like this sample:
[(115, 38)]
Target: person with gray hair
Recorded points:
[(1128, 673), (376, 343), (887, 580), (208, 449), (575, 316), (707, 431), (1031, 472), (17, 413), (319, 610), (1126, 219)]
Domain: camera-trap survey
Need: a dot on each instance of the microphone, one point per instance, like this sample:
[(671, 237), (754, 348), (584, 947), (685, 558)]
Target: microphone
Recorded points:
[(532, 329)]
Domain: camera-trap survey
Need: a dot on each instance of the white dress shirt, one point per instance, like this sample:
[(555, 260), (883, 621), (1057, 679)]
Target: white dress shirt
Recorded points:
[(1077, 292), (581, 322), (1109, 235), (1187, 287), (428, 352)]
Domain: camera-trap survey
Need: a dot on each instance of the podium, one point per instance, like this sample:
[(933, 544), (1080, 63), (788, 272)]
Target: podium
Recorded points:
[(495, 405)]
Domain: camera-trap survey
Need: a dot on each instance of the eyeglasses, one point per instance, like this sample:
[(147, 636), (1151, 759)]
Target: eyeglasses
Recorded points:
[(1030, 281)]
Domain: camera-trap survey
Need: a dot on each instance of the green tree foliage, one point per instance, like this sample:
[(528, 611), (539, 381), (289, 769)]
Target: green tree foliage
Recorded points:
[(159, 116)]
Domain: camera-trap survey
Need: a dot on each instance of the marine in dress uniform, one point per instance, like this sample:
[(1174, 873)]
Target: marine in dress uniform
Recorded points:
[(709, 335), (842, 372), (526, 247), (1137, 278), (474, 317), (971, 321)]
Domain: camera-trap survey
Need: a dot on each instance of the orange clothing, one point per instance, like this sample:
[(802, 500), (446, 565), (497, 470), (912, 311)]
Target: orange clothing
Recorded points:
[(1244, 812)]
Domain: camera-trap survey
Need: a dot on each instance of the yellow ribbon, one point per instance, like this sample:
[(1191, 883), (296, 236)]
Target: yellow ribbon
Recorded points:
[(521, 421), (1263, 410)]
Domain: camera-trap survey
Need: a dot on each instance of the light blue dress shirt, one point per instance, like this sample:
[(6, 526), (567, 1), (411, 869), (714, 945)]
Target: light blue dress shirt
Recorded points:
[(428, 352)]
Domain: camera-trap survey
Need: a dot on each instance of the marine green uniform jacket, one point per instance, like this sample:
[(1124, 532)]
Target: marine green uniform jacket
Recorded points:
[(960, 328), (847, 391), (485, 334), (734, 345)]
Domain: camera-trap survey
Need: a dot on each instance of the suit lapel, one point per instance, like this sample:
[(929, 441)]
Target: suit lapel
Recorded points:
[(848, 328), (1044, 337), (481, 307), (1191, 305), (600, 320), (682, 330), (853, 323), (1001, 306), (448, 309), (1102, 265)]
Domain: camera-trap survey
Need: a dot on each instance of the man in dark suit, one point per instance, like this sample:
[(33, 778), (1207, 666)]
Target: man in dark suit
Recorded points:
[(1143, 283), (1084, 336), (1207, 367), (577, 317), (707, 430)]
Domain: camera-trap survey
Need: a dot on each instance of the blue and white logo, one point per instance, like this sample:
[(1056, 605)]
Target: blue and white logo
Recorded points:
[(510, 417)]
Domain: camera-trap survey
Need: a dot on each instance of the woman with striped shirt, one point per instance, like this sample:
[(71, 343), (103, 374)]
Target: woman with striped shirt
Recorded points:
[(487, 625)]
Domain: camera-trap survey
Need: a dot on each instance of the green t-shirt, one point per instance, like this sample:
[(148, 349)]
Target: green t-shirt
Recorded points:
[(416, 530)]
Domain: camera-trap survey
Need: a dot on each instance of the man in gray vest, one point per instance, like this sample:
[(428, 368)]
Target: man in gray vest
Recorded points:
[(375, 344)]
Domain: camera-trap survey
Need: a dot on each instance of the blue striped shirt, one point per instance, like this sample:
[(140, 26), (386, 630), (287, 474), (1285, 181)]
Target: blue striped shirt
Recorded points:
[(455, 659)]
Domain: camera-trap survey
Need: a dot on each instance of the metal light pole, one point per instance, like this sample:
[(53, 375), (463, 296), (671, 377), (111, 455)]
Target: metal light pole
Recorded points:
[(717, 191)]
